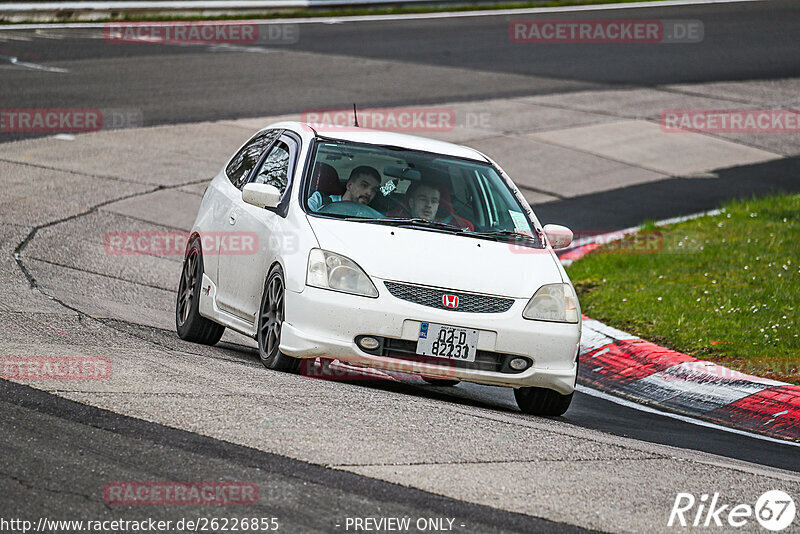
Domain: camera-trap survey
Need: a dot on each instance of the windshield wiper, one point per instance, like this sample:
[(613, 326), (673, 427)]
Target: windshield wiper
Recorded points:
[(406, 221), (418, 221), (505, 233)]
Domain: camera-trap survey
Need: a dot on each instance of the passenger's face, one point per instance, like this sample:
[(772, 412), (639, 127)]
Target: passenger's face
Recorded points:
[(424, 203), (361, 189)]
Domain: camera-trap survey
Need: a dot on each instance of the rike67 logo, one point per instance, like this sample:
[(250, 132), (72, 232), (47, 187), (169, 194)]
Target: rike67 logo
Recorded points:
[(774, 510)]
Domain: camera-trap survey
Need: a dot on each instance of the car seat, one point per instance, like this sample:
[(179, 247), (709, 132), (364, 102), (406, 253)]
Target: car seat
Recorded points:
[(450, 216), (326, 180)]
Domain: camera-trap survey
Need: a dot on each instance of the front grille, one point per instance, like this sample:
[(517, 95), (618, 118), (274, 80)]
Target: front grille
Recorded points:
[(404, 349), (467, 302)]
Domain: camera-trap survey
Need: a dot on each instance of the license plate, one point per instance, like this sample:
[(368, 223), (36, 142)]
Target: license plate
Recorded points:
[(450, 342)]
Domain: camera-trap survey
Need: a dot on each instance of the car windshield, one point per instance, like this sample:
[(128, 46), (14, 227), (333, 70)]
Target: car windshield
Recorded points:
[(397, 186)]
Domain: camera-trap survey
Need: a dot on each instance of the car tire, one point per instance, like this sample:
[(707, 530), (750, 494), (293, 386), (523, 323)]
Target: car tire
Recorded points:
[(190, 325), (541, 401), (442, 382), (270, 322)]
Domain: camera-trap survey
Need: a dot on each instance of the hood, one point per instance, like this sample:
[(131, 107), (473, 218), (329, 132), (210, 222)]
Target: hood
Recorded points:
[(439, 259)]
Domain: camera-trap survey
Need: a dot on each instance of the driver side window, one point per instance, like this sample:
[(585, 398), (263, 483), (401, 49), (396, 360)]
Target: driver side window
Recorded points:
[(275, 168), (247, 158)]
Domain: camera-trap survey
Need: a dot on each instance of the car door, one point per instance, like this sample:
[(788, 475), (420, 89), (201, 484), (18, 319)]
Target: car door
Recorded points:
[(227, 197), (242, 274)]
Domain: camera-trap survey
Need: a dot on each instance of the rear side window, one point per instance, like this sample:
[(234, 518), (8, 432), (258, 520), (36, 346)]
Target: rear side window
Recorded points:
[(247, 158)]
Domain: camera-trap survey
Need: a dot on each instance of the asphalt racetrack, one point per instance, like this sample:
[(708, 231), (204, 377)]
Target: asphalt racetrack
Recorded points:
[(321, 452)]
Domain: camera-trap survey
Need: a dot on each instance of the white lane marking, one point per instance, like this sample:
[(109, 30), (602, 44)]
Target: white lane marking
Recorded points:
[(685, 419), (684, 218), (225, 47), (409, 16), (24, 64)]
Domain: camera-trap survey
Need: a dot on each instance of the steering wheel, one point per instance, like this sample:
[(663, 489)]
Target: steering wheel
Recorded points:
[(351, 209)]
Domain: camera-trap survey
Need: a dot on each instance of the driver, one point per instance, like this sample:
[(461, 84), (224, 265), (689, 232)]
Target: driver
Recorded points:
[(423, 201), (362, 186)]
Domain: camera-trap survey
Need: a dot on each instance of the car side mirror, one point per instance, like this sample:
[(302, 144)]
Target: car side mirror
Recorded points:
[(261, 195), (558, 236)]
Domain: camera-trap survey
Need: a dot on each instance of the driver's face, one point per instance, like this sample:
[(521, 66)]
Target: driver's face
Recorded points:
[(424, 203), (361, 189)]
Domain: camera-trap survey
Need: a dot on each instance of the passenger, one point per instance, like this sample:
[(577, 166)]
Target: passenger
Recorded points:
[(423, 201), (362, 186)]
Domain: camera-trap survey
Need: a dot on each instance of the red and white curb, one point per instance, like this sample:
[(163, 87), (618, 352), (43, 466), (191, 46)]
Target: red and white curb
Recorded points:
[(622, 364), (627, 366)]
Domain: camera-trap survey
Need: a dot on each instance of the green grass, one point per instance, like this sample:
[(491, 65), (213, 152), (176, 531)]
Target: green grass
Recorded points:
[(338, 12), (723, 288)]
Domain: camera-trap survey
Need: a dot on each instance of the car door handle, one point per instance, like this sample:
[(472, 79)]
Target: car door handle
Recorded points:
[(232, 219)]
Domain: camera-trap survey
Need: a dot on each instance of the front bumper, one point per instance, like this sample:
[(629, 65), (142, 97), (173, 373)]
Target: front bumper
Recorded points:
[(323, 323)]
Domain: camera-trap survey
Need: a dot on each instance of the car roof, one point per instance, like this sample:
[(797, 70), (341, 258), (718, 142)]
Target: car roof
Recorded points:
[(379, 137)]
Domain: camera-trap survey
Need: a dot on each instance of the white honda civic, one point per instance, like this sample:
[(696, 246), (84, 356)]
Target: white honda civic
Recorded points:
[(382, 250)]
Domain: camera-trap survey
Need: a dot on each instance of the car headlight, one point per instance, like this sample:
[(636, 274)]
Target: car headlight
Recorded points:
[(334, 271), (553, 302)]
